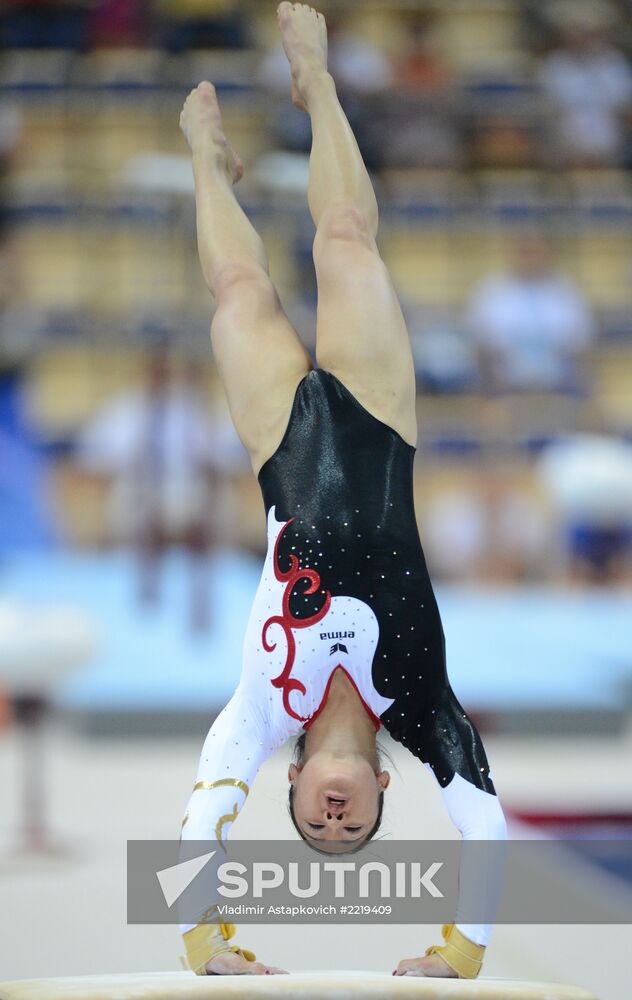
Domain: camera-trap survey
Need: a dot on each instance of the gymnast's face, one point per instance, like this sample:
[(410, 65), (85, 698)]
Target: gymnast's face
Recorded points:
[(336, 798)]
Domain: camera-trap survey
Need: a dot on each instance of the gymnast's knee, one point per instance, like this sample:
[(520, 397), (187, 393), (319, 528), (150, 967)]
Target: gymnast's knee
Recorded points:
[(238, 279), (342, 223)]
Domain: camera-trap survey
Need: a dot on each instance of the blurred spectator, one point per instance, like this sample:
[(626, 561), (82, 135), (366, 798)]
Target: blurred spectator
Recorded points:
[(531, 324), (201, 24), (11, 124), (419, 66), (26, 519), (416, 112), (488, 528), (589, 483), (454, 531), (45, 24), (25, 510), (162, 454), (11, 127), (118, 22), (589, 85), (518, 530), (444, 359)]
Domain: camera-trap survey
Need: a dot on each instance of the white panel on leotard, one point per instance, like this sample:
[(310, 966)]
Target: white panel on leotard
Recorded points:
[(348, 623)]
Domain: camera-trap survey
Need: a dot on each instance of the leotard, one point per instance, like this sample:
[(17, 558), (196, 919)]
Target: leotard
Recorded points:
[(344, 584)]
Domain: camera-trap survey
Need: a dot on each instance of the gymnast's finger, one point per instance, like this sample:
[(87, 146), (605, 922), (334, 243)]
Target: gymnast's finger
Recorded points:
[(259, 969), (408, 966)]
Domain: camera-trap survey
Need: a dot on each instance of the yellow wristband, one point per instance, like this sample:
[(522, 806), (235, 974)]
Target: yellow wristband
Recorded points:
[(204, 942), (461, 954)]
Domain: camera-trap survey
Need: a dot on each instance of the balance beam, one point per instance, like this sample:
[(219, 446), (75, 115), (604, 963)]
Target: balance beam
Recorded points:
[(296, 986)]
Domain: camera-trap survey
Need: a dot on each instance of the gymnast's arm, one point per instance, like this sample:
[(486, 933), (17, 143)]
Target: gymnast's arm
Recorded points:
[(237, 744), (452, 750), (478, 816)]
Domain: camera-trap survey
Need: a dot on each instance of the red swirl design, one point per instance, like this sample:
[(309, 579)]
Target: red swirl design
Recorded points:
[(288, 622)]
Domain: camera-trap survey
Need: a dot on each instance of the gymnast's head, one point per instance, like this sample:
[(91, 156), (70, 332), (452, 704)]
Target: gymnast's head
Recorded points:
[(336, 796)]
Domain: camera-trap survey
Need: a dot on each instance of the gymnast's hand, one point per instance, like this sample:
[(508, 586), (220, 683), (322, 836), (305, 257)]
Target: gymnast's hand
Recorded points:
[(430, 965), (229, 963)]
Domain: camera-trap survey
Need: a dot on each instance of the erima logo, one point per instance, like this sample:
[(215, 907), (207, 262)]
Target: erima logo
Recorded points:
[(339, 646), (337, 635)]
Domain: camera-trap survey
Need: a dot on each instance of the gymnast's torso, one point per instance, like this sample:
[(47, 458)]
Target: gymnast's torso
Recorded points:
[(345, 584)]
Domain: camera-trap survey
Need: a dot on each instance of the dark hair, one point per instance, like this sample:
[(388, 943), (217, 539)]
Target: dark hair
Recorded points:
[(299, 750)]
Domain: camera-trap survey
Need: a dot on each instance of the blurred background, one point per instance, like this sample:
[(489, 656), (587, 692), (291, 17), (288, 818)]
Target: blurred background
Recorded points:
[(499, 137)]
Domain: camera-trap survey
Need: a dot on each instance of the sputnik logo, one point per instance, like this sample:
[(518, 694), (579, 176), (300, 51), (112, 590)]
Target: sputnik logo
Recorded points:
[(174, 880)]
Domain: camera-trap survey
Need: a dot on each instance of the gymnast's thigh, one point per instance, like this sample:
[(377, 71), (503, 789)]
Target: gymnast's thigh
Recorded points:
[(260, 358), (361, 335)]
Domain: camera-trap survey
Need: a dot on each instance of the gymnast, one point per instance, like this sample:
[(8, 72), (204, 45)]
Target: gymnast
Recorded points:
[(344, 635)]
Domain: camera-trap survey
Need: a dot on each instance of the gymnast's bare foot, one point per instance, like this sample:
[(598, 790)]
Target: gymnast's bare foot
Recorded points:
[(304, 37), (229, 963), (201, 123), (431, 966)]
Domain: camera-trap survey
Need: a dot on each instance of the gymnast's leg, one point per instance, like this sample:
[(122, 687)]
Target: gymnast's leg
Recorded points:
[(361, 335), (259, 355)]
